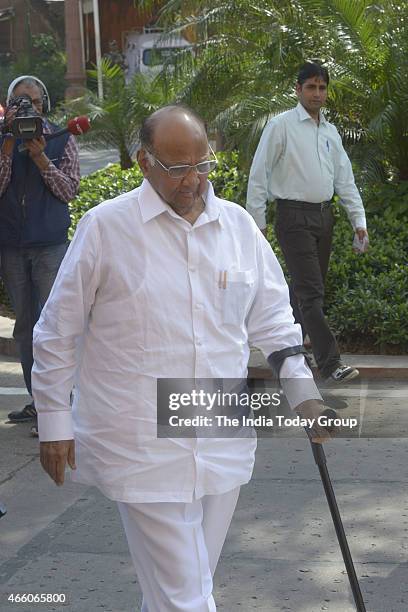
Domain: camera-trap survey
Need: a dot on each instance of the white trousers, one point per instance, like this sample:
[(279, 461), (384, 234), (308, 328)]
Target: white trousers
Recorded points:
[(175, 548)]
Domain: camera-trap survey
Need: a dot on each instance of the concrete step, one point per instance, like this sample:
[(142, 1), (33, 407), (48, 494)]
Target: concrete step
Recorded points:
[(370, 366)]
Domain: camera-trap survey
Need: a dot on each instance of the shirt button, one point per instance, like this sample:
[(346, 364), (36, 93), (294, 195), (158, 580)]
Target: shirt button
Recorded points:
[(198, 306), (192, 269), (199, 343)]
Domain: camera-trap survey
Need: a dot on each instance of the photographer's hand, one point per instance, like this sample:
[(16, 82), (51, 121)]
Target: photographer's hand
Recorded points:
[(35, 150), (9, 115), (8, 142)]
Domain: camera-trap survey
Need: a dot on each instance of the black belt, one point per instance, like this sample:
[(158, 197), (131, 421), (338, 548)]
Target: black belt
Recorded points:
[(304, 205)]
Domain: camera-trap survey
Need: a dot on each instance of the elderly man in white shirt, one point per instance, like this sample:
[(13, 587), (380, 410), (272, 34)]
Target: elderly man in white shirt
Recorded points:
[(300, 163), (166, 281)]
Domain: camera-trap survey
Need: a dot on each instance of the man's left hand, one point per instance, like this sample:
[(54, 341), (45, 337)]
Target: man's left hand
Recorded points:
[(35, 147), (360, 242), (361, 233), (55, 455)]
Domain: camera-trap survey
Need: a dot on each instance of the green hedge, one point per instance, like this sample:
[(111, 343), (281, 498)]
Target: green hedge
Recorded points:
[(100, 186), (112, 181), (366, 295)]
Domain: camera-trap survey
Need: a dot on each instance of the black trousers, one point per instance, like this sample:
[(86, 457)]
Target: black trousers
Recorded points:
[(304, 232)]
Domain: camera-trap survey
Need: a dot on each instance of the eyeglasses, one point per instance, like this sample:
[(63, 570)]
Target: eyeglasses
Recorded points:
[(181, 171)]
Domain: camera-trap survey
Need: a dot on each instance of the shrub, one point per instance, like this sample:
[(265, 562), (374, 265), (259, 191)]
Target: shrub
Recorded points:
[(388, 200), (228, 180), (100, 186), (366, 295)]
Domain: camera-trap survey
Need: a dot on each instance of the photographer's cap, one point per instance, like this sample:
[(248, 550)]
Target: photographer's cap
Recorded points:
[(18, 80)]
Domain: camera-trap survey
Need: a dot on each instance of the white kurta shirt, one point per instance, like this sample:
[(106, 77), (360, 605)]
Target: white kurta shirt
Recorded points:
[(297, 159), (137, 298)]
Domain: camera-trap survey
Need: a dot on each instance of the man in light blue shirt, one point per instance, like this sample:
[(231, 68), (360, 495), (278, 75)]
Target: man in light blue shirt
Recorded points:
[(300, 163)]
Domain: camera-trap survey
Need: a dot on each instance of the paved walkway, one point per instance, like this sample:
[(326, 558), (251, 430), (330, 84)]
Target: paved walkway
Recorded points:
[(281, 553)]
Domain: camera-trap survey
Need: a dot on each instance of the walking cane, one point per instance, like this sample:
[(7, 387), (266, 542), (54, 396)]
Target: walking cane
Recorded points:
[(276, 360), (320, 459)]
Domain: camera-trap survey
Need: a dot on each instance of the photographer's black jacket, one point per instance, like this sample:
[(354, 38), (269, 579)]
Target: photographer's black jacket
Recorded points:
[(30, 214)]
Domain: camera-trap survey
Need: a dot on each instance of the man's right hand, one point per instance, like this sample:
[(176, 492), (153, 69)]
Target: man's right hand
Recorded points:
[(9, 115), (54, 456)]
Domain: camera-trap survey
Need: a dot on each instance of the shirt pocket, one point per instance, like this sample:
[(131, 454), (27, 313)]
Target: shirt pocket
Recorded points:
[(234, 292)]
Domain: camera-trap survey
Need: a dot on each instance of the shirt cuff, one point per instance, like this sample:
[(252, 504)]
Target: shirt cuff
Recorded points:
[(298, 390), (49, 171), (55, 426), (259, 217), (360, 223), (297, 381)]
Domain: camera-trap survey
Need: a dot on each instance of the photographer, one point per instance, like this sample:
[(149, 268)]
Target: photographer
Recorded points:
[(36, 185)]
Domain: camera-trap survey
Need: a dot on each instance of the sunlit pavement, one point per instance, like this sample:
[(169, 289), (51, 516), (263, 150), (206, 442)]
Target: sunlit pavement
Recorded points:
[(90, 161)]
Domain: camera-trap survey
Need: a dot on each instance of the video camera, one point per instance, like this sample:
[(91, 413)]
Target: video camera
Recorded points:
[(27, 124)]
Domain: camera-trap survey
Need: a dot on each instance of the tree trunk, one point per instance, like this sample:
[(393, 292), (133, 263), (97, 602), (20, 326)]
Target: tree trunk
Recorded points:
[(126, 161), (403, 174)]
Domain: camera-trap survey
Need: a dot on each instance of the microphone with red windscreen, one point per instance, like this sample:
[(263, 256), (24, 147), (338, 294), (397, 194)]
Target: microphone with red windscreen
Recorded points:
[(76, 126)]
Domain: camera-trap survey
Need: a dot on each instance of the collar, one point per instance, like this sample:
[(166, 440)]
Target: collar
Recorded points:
[(303, 114), (152, 205)]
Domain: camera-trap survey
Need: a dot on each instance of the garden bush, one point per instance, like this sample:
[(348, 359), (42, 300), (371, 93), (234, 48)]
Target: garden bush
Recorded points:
[(366, 295), (100, 186), (366, 298)]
